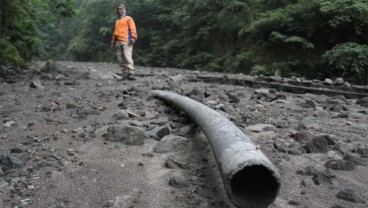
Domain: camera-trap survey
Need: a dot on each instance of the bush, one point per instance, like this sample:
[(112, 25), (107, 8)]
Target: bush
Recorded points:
[(349, 60), (50, 66), (9, 55)]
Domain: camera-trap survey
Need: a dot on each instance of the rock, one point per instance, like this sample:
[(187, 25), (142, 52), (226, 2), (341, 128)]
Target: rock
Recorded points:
[(30, 187), (9, 124), (307, 182), (338, 81), (158, 132), (303, 136), (343, 165), (130, 135), (308, 123), (262, 91), (3, 186), (307, 171), (187, 130), (136, 123), (310, 103), (176, 79), (96, 74), (37, 84), (170, 143), (363, 152), (327, 81), (233, 98), (261, 128), (350, 196), (320, 144), (120, 115), (363, 101), (334, 155), (285, 147), (18, 149), (10, 162), (356, 160), (322, 178), (179, 181), (320, 112), (86, 111), (318, 177), (46, 163), (263, 137), (337, 100), (172, 162), (151, 115), (78, 130)]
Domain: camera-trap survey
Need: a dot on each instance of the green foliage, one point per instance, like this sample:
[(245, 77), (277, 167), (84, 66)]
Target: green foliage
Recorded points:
[(24, 26), (51, 66), (235, 15), (293, 41), (9, 55), (349, 60), (271, 37), (93, 28), (342, 13), (310, 38)]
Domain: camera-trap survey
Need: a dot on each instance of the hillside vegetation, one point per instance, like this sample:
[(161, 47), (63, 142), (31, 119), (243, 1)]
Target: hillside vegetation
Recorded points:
[(307, 38)]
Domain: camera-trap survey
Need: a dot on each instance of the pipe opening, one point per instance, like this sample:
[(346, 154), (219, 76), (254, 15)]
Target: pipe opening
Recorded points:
[(254, 186)]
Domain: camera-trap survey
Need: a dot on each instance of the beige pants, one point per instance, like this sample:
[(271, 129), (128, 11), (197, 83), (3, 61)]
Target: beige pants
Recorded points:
[(124, 53)]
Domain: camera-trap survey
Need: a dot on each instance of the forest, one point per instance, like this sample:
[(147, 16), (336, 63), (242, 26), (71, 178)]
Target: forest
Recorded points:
[(312, 39)]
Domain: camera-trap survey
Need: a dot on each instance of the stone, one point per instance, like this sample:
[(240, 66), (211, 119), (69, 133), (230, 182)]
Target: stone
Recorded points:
[(179, 181), (320, 144), (307, 182), (159, 131), (261, 128), (10, 162), (334, 155), (120, 115), (363, 101), (303, 136), (233, 98), (37, 84), (170, 143), (130, 135), (327, 81), (350, 196), (322, 178), (173, 163), (338, 81), (343, 165), (310, 103), (363, 152)]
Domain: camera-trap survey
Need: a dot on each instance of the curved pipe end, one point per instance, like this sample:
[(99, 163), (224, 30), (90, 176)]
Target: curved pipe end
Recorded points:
[(254, 186)]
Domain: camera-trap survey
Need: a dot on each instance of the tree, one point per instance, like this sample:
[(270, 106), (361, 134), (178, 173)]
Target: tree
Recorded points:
[(23, 23)]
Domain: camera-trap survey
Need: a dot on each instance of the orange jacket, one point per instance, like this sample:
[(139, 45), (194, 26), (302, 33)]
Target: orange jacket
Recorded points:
[(124, 30)]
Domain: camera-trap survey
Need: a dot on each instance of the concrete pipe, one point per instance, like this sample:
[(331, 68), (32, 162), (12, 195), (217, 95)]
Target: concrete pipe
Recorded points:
[(250, 179)]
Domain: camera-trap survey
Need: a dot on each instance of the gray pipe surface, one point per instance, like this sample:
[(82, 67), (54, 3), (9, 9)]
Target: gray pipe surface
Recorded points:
[(250, 179)]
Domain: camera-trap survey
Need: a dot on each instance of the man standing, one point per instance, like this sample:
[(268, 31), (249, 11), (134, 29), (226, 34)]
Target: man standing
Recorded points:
[(123, 38)]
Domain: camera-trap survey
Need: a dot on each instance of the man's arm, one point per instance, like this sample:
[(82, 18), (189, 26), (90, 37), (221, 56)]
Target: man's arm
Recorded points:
[(133, 30)]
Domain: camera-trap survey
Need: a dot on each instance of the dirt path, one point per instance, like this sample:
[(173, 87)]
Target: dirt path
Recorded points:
[(61, 141)]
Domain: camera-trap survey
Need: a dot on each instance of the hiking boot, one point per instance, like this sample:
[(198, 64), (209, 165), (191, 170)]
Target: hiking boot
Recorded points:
[(125, 76), (131, 77)]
